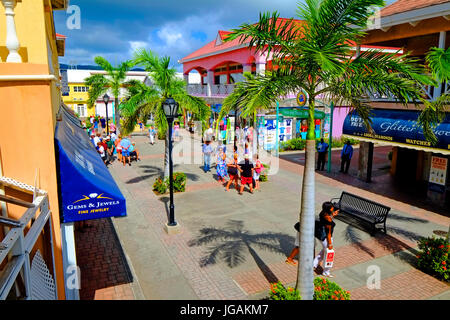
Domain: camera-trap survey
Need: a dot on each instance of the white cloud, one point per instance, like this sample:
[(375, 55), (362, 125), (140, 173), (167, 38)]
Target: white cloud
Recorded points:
[(136, 45), (168, 36)]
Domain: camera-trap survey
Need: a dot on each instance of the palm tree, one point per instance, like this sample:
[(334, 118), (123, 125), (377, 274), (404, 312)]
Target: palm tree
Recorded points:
[(144, 100), (317, 56), (439, 63), (113, 80)]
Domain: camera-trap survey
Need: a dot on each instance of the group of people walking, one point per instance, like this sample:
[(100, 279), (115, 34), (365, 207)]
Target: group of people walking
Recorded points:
[(241, 172), (112, 145)]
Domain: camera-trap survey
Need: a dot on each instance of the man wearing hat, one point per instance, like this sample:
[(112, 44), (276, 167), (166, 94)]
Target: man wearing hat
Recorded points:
[(109, 149), (92, 136)]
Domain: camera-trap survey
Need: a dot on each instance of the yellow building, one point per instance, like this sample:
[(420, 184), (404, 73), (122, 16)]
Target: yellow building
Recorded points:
[(77, 96), (30, 98)]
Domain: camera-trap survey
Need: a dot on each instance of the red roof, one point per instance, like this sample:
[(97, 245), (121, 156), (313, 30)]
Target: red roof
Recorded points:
[(401, 6), (60, 36), (211, 47)]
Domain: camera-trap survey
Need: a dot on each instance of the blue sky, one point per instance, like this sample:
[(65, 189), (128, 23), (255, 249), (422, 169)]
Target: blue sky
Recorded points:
[(114, 28)]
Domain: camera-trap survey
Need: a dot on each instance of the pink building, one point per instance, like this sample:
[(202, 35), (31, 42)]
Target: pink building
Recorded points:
[(221, 65)]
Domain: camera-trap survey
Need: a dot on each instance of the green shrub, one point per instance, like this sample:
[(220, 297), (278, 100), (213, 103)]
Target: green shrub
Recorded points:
[(293, 144), (279, 292), (161, 136), (327, 290), (179, 183), (300, 144), (160, 186), (263, 177), (323, 290), (433, 257)]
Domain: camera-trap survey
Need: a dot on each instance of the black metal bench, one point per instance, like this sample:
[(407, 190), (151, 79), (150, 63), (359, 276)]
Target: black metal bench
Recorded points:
[(365, 210)]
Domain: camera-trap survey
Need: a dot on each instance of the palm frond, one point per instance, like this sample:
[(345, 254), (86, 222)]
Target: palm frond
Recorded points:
[(98, 84), (432, 115), (439, 62)]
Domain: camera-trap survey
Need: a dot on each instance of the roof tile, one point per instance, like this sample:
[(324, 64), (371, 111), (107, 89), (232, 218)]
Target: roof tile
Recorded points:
[(401, 6)]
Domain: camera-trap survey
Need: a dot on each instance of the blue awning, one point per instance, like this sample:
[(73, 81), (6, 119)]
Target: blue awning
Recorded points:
[(87, 189), (398, 127)]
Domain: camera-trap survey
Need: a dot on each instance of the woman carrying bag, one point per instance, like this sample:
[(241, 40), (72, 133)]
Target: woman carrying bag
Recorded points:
[(324, 233)]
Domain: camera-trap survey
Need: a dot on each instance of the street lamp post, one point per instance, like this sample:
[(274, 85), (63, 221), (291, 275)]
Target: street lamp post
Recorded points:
[(170, 107), (106, 101)]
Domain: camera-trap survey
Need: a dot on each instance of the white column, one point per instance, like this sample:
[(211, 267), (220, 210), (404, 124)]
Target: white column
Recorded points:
[(71, 272), (210, 82), (260, 68), (441, 45), (12, 42)]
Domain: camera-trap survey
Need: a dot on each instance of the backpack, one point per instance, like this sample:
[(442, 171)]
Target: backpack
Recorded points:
[(319, 231)]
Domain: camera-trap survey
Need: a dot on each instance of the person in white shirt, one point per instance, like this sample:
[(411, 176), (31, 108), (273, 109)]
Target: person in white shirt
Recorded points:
[(208, 134), (101, 151), (97, 139)]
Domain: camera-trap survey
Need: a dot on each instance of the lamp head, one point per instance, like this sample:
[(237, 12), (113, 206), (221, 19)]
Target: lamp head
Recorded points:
[(105, 98), (170, 107)]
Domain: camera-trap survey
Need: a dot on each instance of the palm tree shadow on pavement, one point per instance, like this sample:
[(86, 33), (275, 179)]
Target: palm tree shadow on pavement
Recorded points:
[(149, 172), (399, 248), (231, 243)]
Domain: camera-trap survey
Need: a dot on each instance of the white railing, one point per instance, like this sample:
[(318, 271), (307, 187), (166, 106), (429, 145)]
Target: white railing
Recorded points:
[(197, 89), (12, 41), (221, 89), (17, 245)]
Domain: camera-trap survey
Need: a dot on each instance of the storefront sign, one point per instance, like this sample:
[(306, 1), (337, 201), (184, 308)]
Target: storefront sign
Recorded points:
[(397, 126), (301, 113), (438, 174)]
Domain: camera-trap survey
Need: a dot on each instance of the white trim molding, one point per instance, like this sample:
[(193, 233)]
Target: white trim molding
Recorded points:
[(33, 77), (415, 16)]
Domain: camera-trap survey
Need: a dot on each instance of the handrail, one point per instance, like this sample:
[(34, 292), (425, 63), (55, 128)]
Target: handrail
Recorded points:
[(17, 245)]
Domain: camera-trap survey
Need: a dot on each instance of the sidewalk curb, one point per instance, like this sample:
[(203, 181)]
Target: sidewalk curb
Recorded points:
[(135, 286)]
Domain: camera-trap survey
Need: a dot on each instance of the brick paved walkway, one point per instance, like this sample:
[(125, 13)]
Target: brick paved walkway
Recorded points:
[(157, 257), (209, 283), (104, 271)]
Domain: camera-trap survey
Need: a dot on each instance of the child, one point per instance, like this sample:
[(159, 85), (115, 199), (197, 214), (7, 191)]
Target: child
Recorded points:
[(257, 172)]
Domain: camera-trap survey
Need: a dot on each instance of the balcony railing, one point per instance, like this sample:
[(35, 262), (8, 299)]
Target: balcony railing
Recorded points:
[(217, 90), (197, 89), (21, 276), (12, 41), (221, 89)]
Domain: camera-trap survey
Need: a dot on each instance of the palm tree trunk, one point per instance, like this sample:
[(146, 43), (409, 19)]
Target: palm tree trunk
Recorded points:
[(117, 115), (305, 276)]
